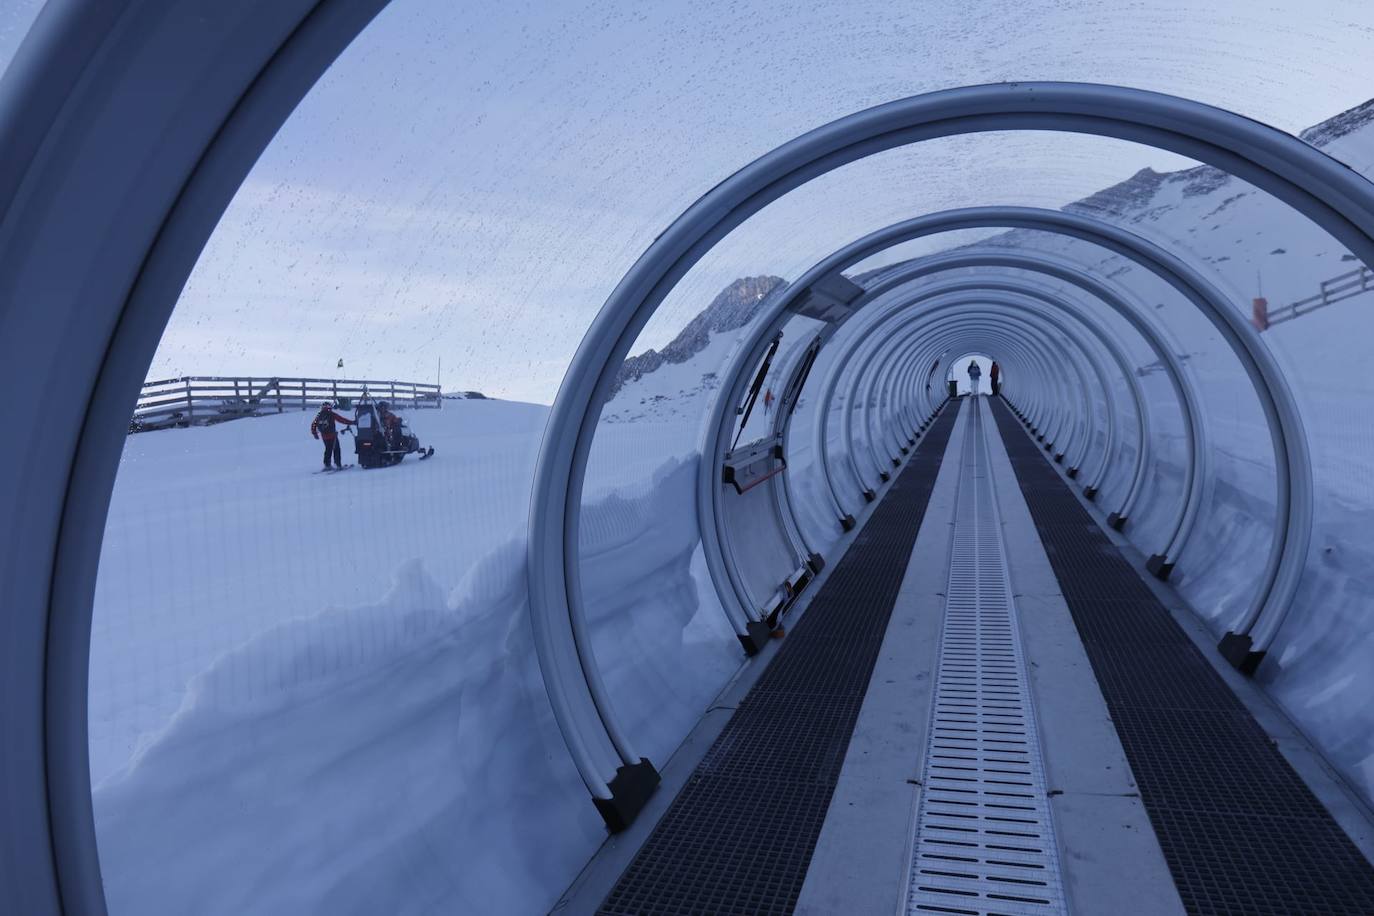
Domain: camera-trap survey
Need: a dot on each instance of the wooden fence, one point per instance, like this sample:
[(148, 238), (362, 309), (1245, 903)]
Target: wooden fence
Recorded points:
[(200, 400), (1360, 280)]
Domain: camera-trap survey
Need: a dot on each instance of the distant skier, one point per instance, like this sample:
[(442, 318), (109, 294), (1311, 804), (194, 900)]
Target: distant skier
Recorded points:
[(323, 427), (767, 402), (975, 373), (994, 378)]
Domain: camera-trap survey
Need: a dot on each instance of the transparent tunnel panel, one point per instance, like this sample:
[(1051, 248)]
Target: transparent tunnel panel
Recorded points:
[(318, 688)]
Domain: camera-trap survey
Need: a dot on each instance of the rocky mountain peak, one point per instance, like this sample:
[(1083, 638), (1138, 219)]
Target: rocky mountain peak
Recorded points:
[(732, 308)]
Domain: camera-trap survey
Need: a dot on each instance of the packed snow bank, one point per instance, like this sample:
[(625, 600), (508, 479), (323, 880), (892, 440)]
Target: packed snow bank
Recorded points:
[(216, 534), (394, 757), (400, 756)]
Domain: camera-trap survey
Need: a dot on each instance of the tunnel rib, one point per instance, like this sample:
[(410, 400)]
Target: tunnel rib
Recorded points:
[(739, 836), (1241, 832)]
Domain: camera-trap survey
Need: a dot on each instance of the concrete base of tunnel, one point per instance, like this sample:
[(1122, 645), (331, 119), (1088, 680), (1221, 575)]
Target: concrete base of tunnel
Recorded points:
[(1111, 857)]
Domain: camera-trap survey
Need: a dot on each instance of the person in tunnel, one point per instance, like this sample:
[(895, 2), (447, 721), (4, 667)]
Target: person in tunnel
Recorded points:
[(324, 427), (994, 376), (975, 374)]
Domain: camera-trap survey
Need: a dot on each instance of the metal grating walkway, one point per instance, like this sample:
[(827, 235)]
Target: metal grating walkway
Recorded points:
[(984, 840), (739, 836), (1240, 830)]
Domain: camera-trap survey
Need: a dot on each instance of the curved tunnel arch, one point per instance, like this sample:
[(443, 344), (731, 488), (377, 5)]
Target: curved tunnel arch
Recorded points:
[(1153, 335), (1147, 330), (870, 379), (891, 339), (1012, 307), (1111, 347), (1333, 196), (966, 313)]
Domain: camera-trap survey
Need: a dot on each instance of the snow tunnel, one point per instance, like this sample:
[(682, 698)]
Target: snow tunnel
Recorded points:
[(678, 610)]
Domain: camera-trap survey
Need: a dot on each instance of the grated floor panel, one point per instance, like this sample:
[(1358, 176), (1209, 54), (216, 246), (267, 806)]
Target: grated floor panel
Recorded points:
[(1240, 831), (984, 840), (739, 836)]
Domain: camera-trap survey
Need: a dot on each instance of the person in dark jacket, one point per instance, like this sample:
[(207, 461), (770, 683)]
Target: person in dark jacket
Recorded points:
[(325, 427), (995, 378), (975, 372)]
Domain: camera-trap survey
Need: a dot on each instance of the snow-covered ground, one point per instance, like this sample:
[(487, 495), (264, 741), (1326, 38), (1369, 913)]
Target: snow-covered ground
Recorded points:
[(317, 692)]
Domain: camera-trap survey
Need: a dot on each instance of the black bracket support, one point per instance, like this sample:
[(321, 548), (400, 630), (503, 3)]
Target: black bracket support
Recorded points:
[(1090, 494), (1071, 473), (630, 790), (1235, 648), (846, 522), (1116, 521), (885, 476), (1159, 567), (869, 495), (1059, 458), (756, 636)]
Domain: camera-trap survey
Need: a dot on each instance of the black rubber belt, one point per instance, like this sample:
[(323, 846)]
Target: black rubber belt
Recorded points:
[(1240, 830), (739, 836)]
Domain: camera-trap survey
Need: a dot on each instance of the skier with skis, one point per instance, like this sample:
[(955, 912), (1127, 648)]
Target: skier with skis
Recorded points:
[(323, 427)]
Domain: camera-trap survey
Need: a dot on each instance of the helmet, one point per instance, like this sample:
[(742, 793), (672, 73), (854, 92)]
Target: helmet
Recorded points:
[(326, 405)]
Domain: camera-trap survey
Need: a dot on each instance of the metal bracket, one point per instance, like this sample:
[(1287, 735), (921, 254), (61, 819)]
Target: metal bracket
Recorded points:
[(630, 791), (1235, 648), (1159, 567)]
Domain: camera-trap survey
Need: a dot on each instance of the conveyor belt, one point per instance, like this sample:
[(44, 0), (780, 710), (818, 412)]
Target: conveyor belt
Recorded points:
[(739, 836), (985, 838), (1240, 830)]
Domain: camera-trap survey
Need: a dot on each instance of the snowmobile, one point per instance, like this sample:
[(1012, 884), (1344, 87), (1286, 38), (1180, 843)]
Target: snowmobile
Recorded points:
[(378, 446)]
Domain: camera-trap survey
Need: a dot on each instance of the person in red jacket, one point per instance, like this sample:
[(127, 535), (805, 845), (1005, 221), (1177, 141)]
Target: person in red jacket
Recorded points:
[(323, 427), (995, 376)]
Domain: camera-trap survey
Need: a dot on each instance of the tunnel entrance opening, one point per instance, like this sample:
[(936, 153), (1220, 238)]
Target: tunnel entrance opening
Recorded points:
[(971, 374)]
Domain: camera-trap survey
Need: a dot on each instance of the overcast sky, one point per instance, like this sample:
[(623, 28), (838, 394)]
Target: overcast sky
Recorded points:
[(470, 180)]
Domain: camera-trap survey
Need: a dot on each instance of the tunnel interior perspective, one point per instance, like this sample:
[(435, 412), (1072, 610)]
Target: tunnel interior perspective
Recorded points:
[(829, 458)]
